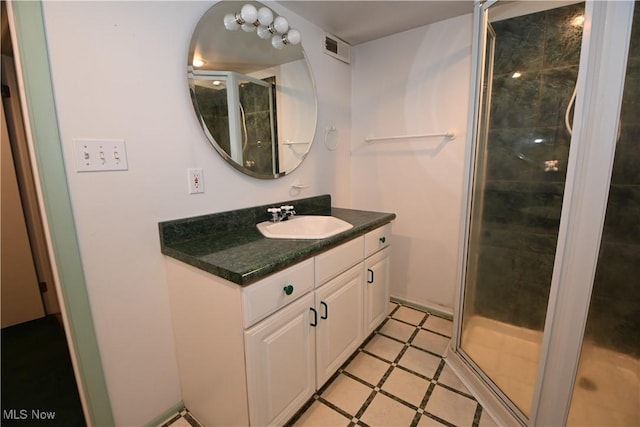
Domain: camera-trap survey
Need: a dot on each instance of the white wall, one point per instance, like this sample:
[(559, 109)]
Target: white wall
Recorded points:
[(119, 71), (415, 82), (295, 113), (125, 78)]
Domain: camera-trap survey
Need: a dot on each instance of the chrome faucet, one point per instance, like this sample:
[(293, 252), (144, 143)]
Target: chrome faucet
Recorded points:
[(287, 212), (282, 213)]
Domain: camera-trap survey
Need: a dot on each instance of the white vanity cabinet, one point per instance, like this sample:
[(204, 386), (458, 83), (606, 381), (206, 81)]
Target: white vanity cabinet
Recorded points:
[(295, 351), (377, 270), (280, 356), (254, 355), (340, 321), (376, 289)]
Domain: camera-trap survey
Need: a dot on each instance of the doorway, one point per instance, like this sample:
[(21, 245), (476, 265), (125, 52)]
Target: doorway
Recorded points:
[(38, 380)]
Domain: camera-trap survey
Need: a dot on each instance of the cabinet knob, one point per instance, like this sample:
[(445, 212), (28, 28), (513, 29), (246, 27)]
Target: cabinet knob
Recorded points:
[(288, 289), (383, 239)]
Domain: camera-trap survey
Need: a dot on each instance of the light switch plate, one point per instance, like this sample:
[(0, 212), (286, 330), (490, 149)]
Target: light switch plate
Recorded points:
[(97, 155)]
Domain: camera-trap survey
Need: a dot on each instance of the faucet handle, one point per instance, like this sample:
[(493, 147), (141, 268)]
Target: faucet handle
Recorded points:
[(287, 211), (275, 213)]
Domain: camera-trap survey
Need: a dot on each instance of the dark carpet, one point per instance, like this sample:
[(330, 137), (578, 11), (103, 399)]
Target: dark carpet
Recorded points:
[(38, 384)]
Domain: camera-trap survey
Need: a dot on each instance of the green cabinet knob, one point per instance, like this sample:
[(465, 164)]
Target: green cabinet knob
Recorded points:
[(383, 239), (288, 289)]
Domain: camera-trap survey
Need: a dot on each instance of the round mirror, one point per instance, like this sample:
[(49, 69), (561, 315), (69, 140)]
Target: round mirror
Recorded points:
[(252, 88)]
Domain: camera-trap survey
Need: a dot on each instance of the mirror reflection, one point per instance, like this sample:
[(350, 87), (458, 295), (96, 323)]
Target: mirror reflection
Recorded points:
[(252, 88)]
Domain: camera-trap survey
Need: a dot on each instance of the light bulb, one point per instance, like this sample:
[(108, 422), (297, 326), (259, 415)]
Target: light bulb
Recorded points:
[(265, 16), (293, 36), (249, 13), (277, 42), (263, 32), (230, 22), (248, 27), (281, 25), (578, 21), (197, 62)]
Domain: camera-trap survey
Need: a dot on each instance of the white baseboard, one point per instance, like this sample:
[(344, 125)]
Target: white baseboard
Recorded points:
[(437, 309)]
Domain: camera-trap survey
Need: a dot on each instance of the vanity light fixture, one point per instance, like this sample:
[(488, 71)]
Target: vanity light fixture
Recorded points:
[(266, 26), (280, 41)]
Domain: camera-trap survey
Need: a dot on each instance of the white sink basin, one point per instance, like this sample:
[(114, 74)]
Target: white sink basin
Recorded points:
[(304, 227)]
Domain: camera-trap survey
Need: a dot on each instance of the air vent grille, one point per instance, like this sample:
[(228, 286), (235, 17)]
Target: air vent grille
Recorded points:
[(335, 47)]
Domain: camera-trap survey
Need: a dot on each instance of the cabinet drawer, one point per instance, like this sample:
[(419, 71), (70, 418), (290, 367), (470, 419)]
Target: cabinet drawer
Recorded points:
[(268, 295), (377, 239), (337, 260)]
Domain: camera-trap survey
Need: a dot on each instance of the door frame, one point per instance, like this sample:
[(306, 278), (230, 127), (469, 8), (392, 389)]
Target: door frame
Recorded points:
[(601, 79), (26, 23)]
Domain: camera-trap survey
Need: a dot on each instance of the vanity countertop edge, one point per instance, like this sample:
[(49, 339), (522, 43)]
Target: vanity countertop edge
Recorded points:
[(243, 256)]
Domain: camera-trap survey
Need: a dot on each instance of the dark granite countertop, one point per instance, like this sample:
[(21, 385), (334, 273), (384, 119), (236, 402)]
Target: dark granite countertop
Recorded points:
[(230, 246)]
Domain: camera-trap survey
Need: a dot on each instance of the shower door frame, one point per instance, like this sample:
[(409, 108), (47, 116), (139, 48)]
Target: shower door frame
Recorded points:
[(600, 84)]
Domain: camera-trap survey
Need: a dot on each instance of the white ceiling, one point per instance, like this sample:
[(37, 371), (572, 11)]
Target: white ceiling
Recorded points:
[(359, 21), (354, 21)]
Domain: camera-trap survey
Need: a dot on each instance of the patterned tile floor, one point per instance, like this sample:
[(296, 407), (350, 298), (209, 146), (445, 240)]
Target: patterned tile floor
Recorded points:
[(398, 377), (182, 419)]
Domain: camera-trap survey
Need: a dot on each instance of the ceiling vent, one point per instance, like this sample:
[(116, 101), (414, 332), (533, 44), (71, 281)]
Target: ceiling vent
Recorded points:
[(335, 47)]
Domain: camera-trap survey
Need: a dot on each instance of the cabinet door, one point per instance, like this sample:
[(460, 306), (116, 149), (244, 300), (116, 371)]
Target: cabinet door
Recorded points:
[(376, 289), (340, 321), (280, 354)]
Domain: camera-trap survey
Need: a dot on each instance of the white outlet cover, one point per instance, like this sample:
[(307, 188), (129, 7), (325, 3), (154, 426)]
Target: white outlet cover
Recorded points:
[(196, 180)]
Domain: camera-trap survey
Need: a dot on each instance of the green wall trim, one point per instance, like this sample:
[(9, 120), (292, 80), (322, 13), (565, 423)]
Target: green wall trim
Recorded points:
[(32, 45), (161, 419)]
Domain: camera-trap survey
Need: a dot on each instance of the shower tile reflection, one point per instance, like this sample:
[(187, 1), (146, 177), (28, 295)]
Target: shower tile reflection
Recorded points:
[(522, 44), (563, 35)]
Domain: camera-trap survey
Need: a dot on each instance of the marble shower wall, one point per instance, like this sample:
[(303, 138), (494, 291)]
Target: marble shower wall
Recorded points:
[(254, 100), (614, 315), (212, 104), (535, 69)]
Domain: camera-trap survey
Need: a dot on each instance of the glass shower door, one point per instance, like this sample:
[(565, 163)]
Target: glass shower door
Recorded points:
[(257, 115), (531, 66)]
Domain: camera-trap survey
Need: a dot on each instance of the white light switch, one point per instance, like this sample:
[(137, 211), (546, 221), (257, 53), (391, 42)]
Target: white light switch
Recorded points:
[(96, 155)]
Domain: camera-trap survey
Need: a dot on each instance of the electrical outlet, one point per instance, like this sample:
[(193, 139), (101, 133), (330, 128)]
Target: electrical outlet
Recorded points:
[(196, 180)]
